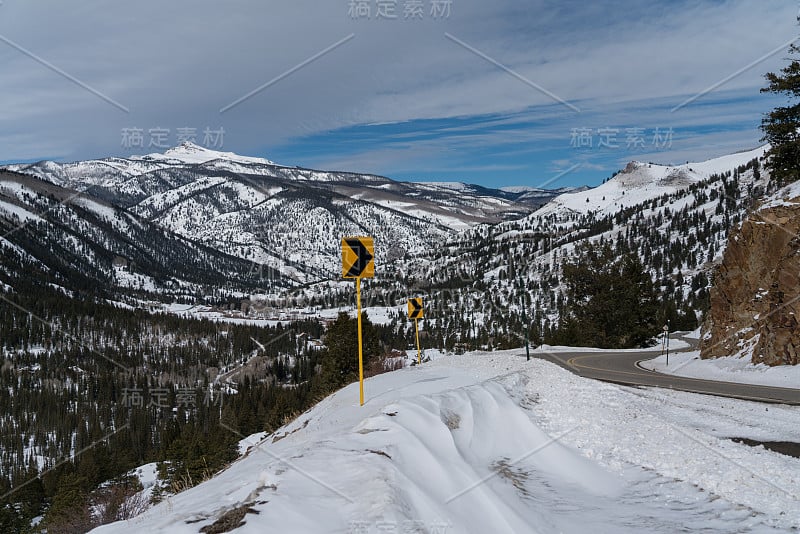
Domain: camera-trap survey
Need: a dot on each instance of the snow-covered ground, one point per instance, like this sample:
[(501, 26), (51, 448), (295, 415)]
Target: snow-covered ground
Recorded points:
[(730, 369), (377, 314), (674, 344), (148, 476), (490, 442)]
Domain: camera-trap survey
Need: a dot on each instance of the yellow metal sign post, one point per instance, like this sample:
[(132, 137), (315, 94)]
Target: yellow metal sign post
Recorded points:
[(416, 312), (358, 261)]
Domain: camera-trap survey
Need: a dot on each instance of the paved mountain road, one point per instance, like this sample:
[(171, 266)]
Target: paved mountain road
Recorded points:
[(623, 368)]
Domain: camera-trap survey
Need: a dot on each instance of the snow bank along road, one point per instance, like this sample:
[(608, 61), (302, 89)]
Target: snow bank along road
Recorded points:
[(622, 367), (489, 442)]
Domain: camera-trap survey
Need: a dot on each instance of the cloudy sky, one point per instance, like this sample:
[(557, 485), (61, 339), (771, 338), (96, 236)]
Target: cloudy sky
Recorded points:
[(502, 92)]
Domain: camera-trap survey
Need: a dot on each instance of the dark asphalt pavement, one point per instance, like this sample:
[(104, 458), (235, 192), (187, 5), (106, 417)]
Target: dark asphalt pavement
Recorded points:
[(622, 368)]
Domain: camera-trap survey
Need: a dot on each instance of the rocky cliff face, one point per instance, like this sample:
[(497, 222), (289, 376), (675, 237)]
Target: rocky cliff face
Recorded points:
[(755, 298)]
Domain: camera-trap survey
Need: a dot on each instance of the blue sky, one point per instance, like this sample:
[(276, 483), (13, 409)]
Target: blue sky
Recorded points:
[(554, 150), (500, 93)]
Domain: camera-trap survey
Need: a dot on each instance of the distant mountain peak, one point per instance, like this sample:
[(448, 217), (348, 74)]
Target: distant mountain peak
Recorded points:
[(189, 152), (187, 147), (519, 189)]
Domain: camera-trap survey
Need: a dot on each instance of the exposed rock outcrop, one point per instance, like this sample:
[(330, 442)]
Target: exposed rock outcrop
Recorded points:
[(755, 297)]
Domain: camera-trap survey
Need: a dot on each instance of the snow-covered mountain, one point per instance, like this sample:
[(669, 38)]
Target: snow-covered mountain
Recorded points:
[(640, 182), (473, 241), (287, 218)]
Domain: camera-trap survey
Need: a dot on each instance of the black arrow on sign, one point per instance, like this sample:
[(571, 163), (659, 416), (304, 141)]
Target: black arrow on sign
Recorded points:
[(416, 305), (364, 257)]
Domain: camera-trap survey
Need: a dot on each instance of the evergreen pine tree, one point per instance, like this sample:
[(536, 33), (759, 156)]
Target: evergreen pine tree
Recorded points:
[(340, 360), (781, 126), (611, 301)]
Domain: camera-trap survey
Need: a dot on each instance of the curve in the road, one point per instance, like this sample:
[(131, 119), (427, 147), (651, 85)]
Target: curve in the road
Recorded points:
[(623, 368)]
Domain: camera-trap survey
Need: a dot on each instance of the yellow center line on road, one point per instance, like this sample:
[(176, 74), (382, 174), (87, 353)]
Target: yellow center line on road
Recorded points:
[(572, 362)]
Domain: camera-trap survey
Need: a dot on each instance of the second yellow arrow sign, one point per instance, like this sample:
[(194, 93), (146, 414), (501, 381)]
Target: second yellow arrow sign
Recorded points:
[(416, 312)]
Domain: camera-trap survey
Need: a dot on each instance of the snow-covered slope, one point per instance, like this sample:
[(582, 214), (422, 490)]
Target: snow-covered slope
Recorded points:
[(75, 240), (640, 182), (487, 442)]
